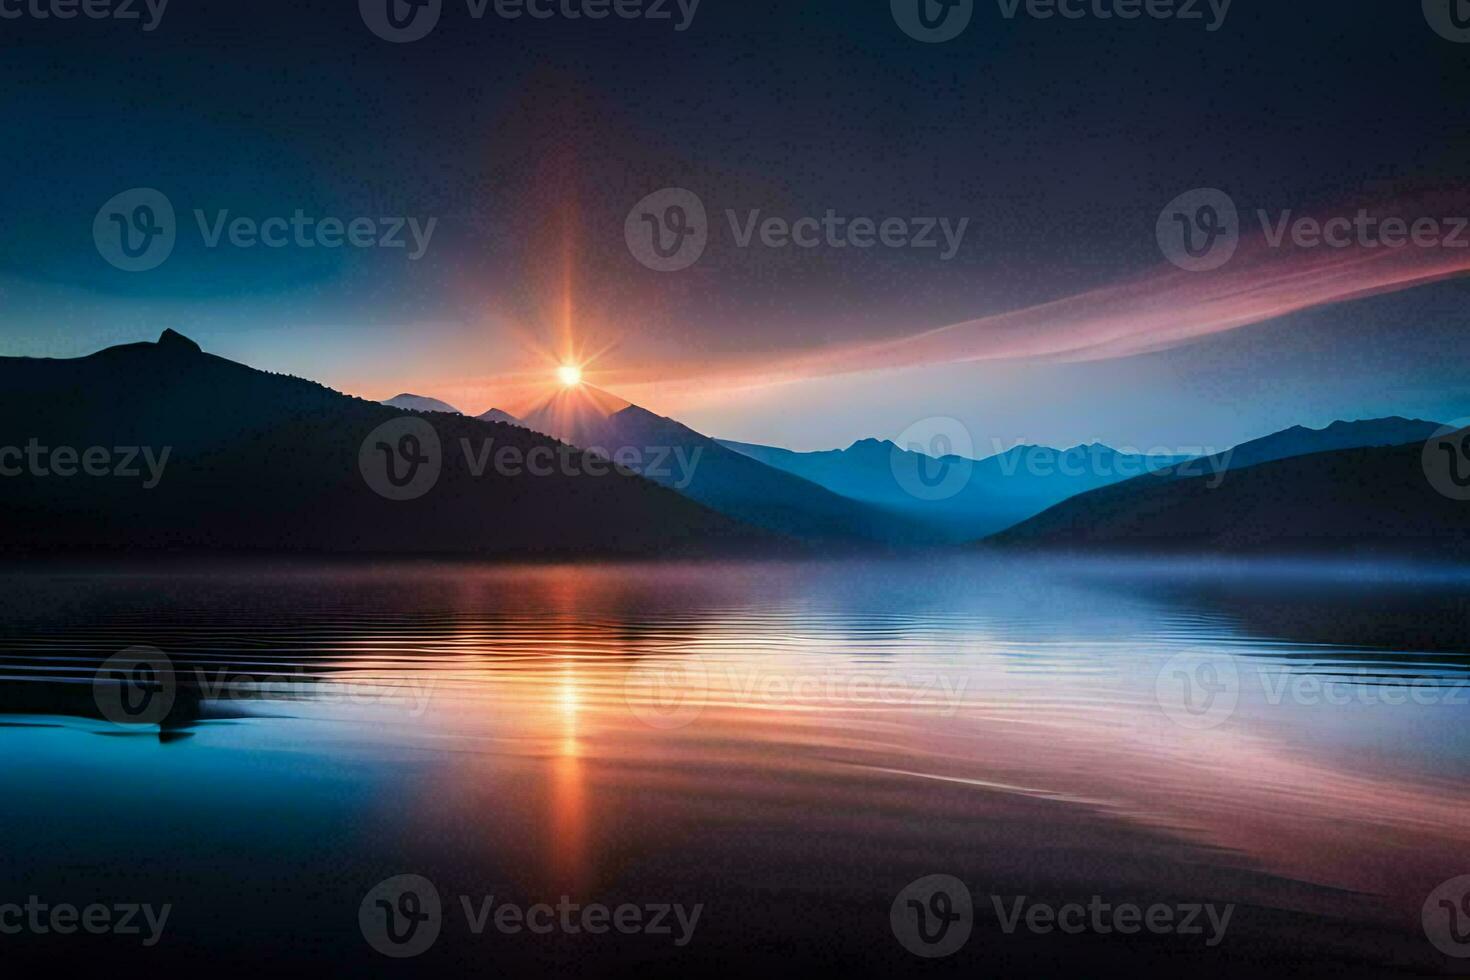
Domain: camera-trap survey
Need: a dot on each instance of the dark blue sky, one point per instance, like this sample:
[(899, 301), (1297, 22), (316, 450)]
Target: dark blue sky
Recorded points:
[(529, 141)]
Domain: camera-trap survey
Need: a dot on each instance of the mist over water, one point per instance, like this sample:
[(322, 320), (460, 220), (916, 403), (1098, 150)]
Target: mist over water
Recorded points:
[(787, 744)]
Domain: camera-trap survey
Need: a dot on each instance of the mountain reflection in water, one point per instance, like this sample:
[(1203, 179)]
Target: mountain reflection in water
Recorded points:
[(788, 743)]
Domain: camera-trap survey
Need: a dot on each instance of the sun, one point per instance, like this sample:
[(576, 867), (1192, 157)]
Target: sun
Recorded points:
[(569, 375)]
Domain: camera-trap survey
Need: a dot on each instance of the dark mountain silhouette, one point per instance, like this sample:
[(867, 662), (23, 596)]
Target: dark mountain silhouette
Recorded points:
[(496, 415), (1367, 501), (698, 466), (1001, 490), (421, 403), (1300, 441), (259, 461), (1010, 487)]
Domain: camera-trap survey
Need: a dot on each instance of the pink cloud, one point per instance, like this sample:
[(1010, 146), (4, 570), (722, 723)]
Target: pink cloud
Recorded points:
[(1154, 312)]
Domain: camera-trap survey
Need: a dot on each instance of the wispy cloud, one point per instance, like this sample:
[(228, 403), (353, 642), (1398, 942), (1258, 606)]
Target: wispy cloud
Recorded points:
[(1153, 312), (1164, 308)]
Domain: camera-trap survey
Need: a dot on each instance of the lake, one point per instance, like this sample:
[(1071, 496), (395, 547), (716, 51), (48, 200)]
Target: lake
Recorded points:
[(969, 765)]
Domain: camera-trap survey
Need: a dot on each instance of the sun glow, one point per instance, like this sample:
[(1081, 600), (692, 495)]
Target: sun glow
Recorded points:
[(569, 375)]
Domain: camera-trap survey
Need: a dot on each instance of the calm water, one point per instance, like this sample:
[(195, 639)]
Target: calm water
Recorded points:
[(785, 745)]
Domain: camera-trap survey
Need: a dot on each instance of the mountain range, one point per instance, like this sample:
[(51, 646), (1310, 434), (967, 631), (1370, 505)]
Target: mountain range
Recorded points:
[(1301, 441), (1369, 501), (703, 469), (991, 494), (265, 462), (421, 403), (241, 459)]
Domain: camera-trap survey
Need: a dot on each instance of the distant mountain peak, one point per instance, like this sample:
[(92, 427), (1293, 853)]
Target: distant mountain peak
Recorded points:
[(1301, 440), (639, 410), (497, 415), (171, 339), (580, 415), (1026, 447), (1341, 424), (420, 403), (1352, 425)]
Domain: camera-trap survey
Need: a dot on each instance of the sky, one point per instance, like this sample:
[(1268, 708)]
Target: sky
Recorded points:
[(524, 151)]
